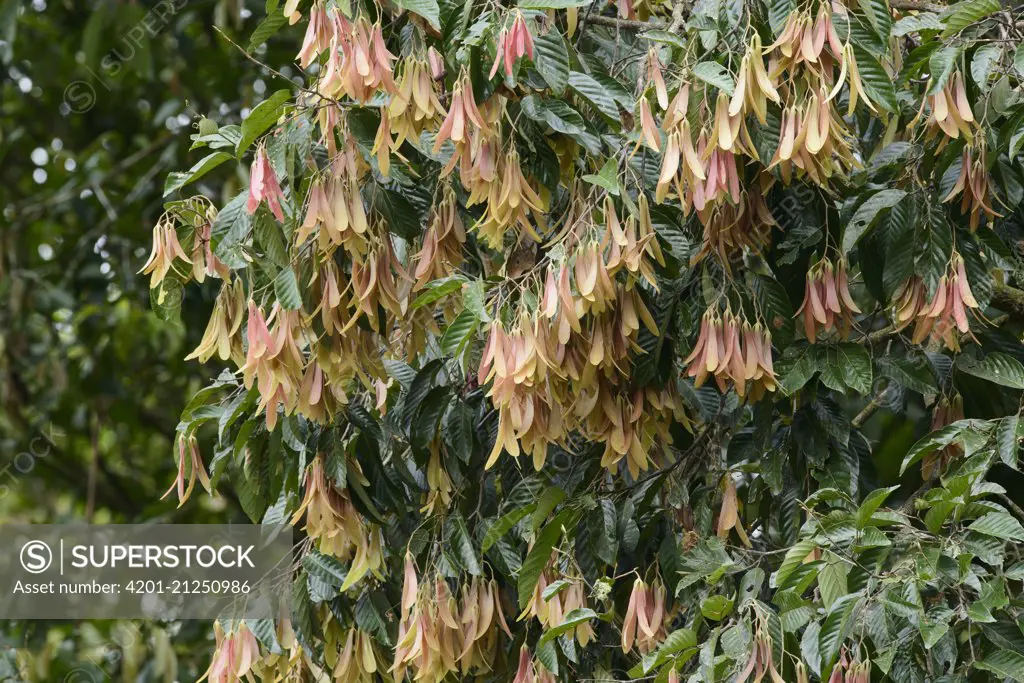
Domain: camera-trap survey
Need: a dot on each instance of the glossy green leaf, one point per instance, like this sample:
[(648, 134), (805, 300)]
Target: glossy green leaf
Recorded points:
[(963, 14), (551, 57), (263, 116), (176, 181), (715, 74), (998, 368), (866, 214)]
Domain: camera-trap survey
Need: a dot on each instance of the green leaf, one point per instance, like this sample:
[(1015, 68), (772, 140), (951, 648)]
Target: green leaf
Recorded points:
[(555, 588), (939, 439), (270, 25), (270, 239), (325, 567), (1003, 663), (778, 14), (551, 57), (263, 116), (463, 544), (459, 431), (1006, 440), (794, 557), (424, 426), (679, 641), (224, 137), (455, 18), (778, 309), (984, 61), (664, 37), (400, 371), (369, 616), (998, 368), (1017, 126), (547, 655), (461, 329), (166, 298), (871, 503), (546, 504), (1000, 525), (845, 366), (428, 9), (419, 389), (438, 289), (176, 181), (877, 81), (716, 607), (797, 366), (891, 155), (912, 372), (866, 214), (940, 66), (809, 647), (473, 298), (402, 216), (555, 113), (924, 21), (504, 524), (963, 14), (834, 630), (230, 228), (607, 178), (265, 632), (286, 288), (540, 554), (832, 579), (603, 524), (303, 616), (934, 244), (877, 14), (933, 627), (602, 93), (715, 74), (569, 622)]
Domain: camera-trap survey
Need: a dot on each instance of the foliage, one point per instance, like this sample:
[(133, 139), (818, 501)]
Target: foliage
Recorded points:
[(476, 232), (94, 106)]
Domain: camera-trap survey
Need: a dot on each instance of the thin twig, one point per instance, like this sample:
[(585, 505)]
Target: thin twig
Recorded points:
[(615, 22), (918, 5), (665, 471), (868, 410), (269, 68), (1013, 506)]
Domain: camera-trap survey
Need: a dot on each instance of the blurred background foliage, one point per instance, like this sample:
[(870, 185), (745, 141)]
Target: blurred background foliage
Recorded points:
[(97, 101)]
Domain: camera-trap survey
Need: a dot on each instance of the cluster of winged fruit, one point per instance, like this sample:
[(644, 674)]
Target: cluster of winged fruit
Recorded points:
[(412, 205)]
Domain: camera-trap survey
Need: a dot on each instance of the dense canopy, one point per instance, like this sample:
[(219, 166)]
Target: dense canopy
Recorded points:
[(635, 341)]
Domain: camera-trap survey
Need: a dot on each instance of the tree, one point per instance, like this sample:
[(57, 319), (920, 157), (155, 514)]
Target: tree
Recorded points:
[(91, 379), (509, 303)]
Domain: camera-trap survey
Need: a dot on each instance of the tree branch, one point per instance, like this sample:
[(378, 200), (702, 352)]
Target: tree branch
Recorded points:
[(698, 441), (916, 5), (1009, 299), (615, 22), (1013, 506), (868, 411)]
